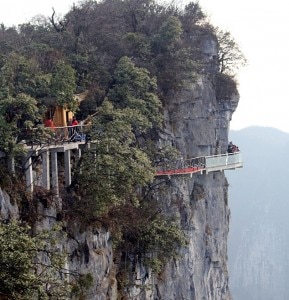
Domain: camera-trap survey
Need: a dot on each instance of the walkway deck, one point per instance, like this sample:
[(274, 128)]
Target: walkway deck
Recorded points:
[(203, 165)]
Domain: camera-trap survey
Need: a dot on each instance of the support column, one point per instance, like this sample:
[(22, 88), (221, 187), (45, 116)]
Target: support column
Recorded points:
[(67, 166), (28, 174), (45, 170), (11, 165), (54, 173), (78, 154)]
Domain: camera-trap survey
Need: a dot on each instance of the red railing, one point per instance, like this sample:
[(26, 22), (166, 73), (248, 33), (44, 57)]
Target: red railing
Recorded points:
[(199, 164), (182, 166)]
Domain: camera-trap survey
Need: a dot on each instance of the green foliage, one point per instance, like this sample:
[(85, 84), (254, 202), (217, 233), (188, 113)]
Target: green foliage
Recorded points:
[(145, 234), (114, 166), (63, 85), (79, 289), (226, 86), (134, 88), (117, 164), (192, 15), (92, 38), (138, 45), (17, 75), (170, 32), (175, 59), (23, 274), (17, 118), (150, 235)]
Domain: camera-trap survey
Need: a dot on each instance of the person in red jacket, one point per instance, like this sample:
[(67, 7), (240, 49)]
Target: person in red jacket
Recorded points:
[(74, 122), (49, 123)]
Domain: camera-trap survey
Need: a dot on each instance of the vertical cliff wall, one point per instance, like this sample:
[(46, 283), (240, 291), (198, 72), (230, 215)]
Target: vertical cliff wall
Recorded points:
[(198, 125)]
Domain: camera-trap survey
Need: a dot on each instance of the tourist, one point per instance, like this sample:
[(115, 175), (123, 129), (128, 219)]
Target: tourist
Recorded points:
[(49, 123)]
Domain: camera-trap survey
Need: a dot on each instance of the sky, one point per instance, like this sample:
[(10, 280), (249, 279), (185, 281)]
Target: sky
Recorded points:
[(260, 27)]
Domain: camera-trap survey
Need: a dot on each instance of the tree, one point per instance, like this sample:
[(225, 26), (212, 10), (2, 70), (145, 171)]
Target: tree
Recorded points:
[(117, 164), (23, 275), (63, 86), (18, 116), (134, 88), (169, 34), (192, 15), (17, 75), (230, 56), (226, 87)]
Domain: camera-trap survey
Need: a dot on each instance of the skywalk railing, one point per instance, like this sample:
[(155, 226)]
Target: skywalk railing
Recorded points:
[(76, 133), (181, 166), (54, 135), (203, 164), (223, 161)]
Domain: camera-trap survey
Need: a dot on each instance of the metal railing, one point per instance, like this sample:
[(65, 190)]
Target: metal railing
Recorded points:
[(54, 135), (181, 166), (223, 161), (75, 133), (200, 164)]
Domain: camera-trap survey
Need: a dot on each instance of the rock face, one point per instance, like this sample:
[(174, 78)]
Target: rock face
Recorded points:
[(8, 210), (196, 124)]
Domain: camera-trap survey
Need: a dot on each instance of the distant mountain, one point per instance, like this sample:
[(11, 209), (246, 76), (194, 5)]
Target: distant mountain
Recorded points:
[(259, 227)]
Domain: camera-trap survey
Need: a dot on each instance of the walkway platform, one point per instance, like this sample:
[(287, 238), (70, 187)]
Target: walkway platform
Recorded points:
[(203, 165), (49, 159)]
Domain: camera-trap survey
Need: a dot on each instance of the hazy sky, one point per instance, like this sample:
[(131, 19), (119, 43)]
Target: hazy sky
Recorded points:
[(261, 29)]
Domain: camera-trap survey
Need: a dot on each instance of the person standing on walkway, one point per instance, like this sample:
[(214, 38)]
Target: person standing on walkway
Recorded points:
[(49, 123), (74, 125), (74, 122)]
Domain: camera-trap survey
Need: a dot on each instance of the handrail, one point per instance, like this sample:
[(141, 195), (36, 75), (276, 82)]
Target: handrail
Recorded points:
[(181, 166), (70, 126), (78, 133), (56, 135), (201, 164), (223, 161)]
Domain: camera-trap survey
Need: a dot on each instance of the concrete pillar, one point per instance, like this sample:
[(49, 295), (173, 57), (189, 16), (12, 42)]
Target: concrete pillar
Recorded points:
[(11, 165), (54, 173), (67, 166), (45, 170), (78, 153), (28, 174)]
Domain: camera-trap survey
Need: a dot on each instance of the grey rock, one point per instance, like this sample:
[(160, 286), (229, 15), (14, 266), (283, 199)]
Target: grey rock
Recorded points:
[(8, 209)]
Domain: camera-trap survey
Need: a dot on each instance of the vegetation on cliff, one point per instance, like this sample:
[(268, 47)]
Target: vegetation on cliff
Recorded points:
[(128, 56)]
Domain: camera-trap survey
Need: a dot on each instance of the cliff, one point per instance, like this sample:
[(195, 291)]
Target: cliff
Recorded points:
[(196, 123)]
